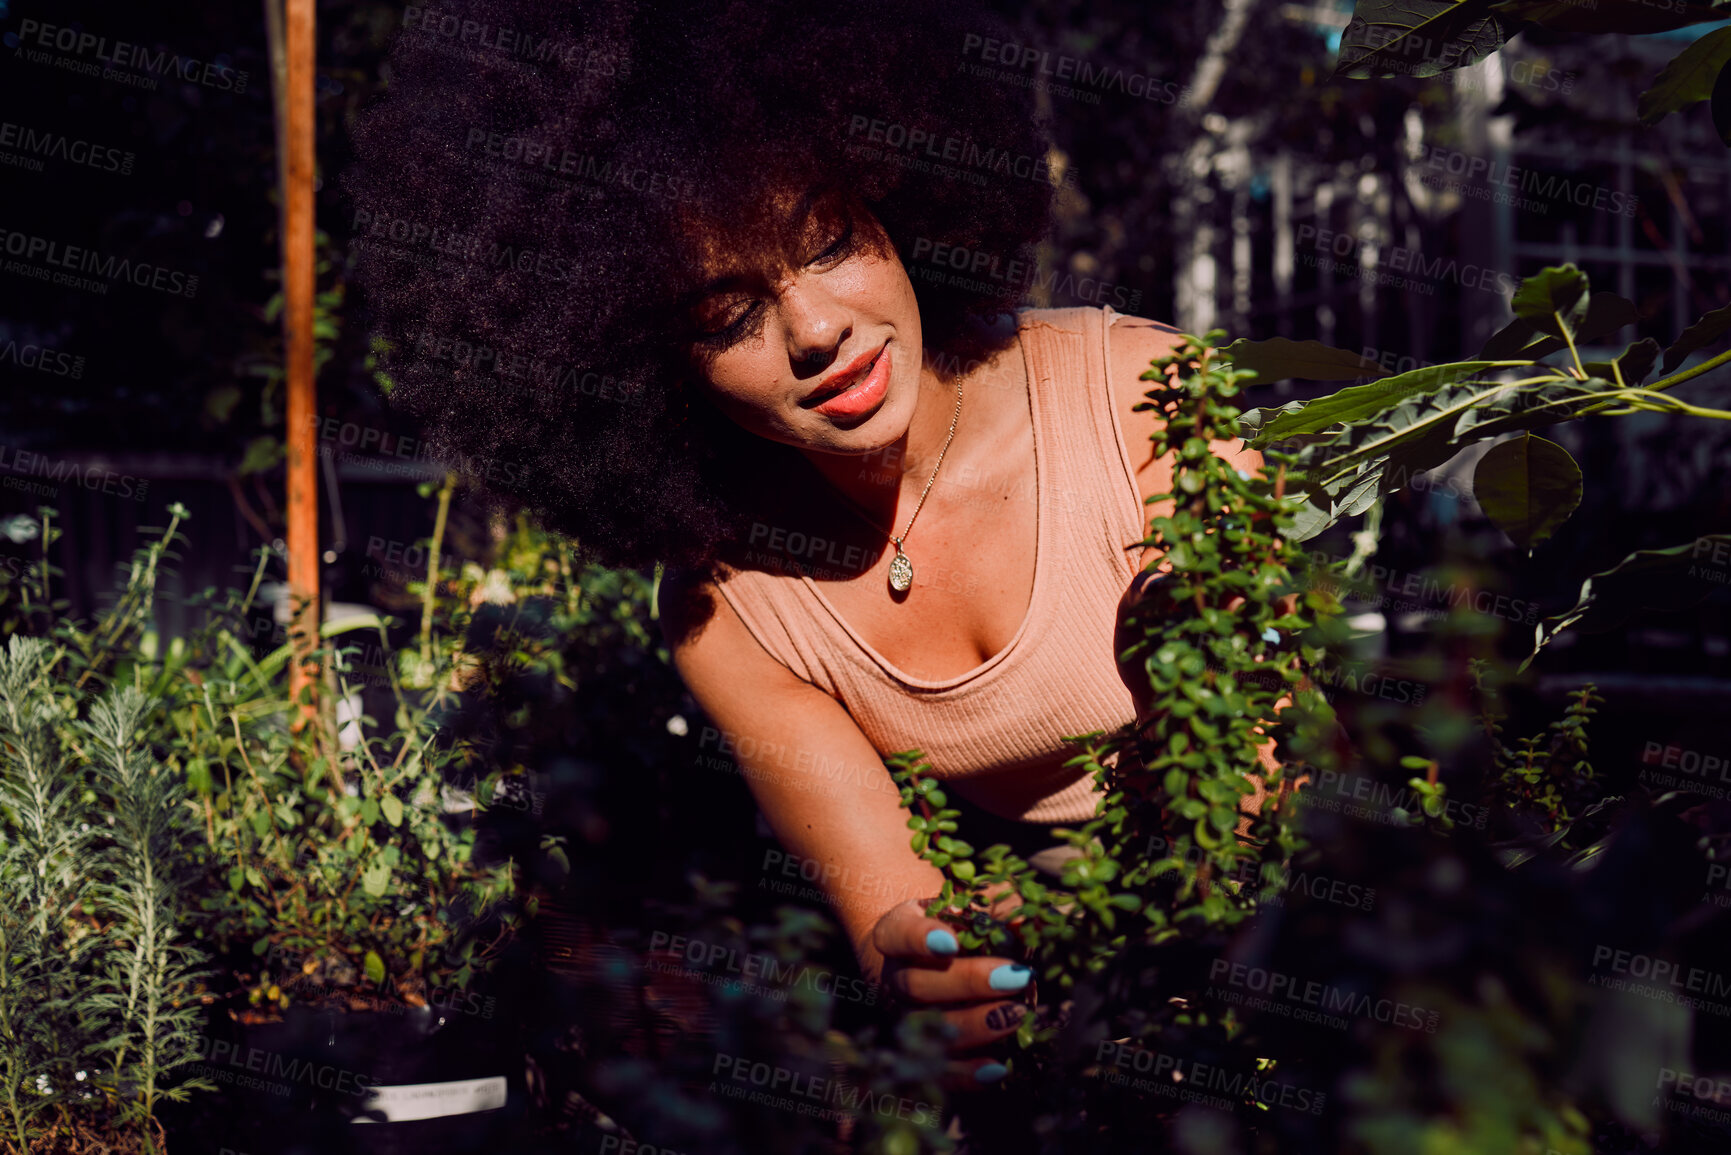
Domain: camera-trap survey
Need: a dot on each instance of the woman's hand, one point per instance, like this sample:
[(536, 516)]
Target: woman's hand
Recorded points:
[(978, 994)]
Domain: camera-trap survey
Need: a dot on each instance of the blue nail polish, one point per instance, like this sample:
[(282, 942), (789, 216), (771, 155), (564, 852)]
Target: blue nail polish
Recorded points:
[(990, 1073), (942, 942), (1011, 977)]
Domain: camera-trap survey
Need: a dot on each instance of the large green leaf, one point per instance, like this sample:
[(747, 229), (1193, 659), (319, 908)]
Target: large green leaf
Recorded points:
[(1416, 37), (1528, 487), (1633, 17), (1531, 407), (1553, 301), (1358, 402), (1277, 359), (1712, 326), (1672, 578), (1688, 79)]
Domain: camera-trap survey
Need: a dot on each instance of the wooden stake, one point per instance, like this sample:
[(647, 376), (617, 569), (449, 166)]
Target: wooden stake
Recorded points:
[(299, 260)]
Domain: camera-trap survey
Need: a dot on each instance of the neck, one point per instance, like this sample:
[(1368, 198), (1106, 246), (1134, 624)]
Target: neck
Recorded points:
[(886, 483)]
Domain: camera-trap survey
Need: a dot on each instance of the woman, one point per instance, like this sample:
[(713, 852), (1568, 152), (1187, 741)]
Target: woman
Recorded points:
[(897, 511)]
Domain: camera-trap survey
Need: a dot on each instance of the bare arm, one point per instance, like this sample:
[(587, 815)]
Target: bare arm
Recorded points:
[(852, 825)]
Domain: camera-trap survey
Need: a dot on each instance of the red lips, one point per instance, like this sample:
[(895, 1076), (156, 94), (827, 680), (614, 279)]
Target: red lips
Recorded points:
[(844, 378)]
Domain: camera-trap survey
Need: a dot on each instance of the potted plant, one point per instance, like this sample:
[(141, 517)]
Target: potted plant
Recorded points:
[(100, 988)]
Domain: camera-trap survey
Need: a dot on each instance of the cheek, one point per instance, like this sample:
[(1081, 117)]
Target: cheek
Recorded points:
[(743, 384)]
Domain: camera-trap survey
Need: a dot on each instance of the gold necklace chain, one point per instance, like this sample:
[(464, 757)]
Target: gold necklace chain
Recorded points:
[(901, 569)]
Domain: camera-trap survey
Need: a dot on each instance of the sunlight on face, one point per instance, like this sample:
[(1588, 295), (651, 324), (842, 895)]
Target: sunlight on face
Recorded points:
[(814, 342)]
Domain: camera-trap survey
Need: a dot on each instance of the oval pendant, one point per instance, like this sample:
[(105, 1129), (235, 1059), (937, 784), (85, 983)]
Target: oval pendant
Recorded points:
[(901, 572)]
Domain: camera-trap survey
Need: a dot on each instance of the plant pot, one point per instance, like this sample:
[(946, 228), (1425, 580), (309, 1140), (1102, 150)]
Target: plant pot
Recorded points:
[(336, 1082)]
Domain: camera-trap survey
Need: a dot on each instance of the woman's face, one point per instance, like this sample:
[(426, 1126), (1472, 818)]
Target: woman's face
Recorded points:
[(816, 341)]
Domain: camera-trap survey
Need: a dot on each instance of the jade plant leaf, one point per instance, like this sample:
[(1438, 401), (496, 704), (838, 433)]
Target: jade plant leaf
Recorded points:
[(375, 878)]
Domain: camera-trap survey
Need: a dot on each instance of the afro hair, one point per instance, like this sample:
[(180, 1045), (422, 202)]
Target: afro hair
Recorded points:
[(523, 195)]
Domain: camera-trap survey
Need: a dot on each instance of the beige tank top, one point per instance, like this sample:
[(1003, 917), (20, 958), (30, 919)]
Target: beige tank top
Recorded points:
[(995, 734)]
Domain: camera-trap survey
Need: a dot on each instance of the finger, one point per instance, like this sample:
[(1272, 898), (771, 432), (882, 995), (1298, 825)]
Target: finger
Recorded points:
[(981, 1026), (963, 980), (905, 932)]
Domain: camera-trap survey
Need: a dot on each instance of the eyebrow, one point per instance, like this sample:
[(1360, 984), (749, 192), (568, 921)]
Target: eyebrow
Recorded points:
[(801, 210)]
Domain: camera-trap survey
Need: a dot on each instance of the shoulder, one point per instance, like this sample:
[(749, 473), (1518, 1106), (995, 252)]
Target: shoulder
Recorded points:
[(1133, 342)]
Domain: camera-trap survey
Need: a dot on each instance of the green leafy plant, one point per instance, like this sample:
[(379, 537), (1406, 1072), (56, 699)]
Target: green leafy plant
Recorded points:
[(1173, 860), (1173, 881), (1354, 447), (99, 991)]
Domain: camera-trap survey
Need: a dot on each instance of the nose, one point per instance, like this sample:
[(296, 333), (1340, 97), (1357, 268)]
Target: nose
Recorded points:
[(816, 324)]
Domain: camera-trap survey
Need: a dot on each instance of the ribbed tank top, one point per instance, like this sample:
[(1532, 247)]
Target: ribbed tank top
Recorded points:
[(995, 734)]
